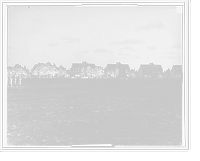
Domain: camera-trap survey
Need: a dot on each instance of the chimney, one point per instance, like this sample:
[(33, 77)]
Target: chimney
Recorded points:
[(83, 63), (118, 63)]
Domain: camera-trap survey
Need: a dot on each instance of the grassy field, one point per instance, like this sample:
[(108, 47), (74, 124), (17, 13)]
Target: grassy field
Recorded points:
[(73, 114)]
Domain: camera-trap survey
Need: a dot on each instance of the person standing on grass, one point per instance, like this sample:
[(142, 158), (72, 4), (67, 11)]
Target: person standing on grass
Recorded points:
[(10, 79), (19, 80), (15, 79)]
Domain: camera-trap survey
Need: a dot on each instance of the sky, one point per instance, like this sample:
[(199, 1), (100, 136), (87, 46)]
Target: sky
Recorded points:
[(97, 34)]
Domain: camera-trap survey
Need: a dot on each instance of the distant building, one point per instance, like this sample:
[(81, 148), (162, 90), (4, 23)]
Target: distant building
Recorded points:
[(150, 71), (117, 70), (176, 71), (81, 69)]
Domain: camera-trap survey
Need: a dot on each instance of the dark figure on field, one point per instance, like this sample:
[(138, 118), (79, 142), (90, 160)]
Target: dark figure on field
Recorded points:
[(15, 79), (19, 80), (10, 79)]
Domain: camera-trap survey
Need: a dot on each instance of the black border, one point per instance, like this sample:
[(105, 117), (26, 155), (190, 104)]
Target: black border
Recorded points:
[(4, 22)]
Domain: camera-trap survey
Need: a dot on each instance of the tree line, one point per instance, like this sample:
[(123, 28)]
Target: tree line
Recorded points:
[(51, 70), (98, 72), (39, 69), (88, 72), (19, 70)]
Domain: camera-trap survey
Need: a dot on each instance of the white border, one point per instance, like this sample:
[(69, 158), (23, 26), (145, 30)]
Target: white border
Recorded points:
[(186, 86)]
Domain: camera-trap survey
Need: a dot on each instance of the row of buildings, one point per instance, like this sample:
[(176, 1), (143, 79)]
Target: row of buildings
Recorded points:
[(146, 70)]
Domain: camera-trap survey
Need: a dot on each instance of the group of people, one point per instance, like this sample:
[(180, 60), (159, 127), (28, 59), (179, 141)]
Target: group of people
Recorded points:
[(14, 80)]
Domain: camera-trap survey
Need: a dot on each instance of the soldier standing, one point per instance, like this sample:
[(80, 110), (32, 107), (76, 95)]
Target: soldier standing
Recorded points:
[(10, 78), (19, 80), (15, 79)]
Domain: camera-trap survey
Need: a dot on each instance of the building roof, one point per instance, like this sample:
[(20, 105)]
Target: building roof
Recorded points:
[(82, 65), (159, 66), (124, 67), (109, 66), (90, 65), (76, 65), (144, 66), (177, 67), (118, 65)]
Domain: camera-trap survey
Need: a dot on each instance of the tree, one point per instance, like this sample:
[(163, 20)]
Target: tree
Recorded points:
[(167, 74), (127, 73), (61, 71), (38, 69), (111, 72), (41, 69), (87, 71), (136, 73), (97, 72), (82, 73), (149, 74), (35, 70), (53, 70), (107, 74), (44, 69), (116, 72), (25, 72), (66, 74), (132, 73), (18, 69), (10, 70), (145, 76), (100, 72), (178, 74), (47, 68)]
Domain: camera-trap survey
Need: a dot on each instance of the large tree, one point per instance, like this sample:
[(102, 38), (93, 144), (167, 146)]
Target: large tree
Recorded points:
[(38, 69), (61, 71), (53, 70), (167, 74), (18, 69), (35, 69), (132, 73), (87, 71), (149, 74), (41, 69), (45, 69), (111, 72), (97, 72), (25, 72), (179, 74), (82, 73), (116, 72), (10, 71)]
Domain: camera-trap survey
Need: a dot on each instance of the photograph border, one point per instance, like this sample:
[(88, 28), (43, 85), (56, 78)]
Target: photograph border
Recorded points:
[(185, 107)]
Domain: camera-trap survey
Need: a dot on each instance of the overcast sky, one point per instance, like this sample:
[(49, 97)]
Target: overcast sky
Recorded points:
[(101, 35)]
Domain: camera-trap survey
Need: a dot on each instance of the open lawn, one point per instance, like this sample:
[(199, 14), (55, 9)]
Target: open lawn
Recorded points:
[(61, 112)]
